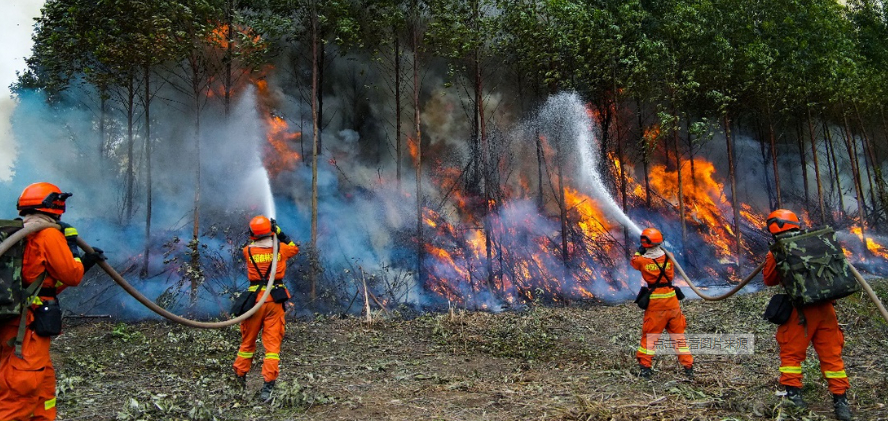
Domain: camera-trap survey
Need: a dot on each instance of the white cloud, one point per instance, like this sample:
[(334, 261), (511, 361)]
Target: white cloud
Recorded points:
[(17, 20)]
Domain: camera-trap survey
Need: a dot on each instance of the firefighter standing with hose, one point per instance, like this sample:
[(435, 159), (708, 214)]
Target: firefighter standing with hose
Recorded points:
[(816, 324), (659, 299), (270, 317), (52, 259)]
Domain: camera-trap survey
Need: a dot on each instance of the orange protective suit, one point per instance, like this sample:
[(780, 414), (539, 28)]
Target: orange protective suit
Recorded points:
[(270, 317), (28, 384), (821, 329), (663, 312)]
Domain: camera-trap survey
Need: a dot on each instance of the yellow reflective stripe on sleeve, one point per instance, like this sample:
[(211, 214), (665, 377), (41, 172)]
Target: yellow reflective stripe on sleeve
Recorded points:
[(791, 369), (70, 231), (245, 354), (644, 350), (835, 374), (684, 349), (253, 288), (667, 295), (272, 356), (49, 404), (77, 259)]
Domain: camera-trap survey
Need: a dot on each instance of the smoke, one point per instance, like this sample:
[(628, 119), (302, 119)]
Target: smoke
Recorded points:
[(17, 20)]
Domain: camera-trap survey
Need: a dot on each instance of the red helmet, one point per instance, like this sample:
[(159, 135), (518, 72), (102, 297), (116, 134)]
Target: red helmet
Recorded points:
[(782, 220), (260, 226), (43, 197), (651, 237)]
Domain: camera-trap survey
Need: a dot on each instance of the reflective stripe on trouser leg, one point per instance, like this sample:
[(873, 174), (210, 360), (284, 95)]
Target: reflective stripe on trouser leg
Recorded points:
[(46, 407), (828, 342), (653, 324), (249, 333), (793, 342), (273, 329), (676, 328)]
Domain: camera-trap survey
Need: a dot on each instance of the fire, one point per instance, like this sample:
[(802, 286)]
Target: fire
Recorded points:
[(874, 248)]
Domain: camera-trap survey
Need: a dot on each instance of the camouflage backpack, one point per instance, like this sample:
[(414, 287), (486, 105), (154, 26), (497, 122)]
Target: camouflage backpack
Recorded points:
[(812, 266), (12, 295)]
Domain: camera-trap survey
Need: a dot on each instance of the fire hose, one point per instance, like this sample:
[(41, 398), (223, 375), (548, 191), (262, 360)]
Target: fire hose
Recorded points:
[(863, 284), (20, 234)]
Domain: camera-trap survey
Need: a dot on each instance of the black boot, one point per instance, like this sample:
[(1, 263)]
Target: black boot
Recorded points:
[(644, 372), (794, 396), (265, 393), (689, 372), (842, 407), (240, 381)]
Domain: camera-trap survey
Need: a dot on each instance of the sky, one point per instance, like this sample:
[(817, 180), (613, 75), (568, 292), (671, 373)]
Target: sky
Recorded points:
[(17, 19)]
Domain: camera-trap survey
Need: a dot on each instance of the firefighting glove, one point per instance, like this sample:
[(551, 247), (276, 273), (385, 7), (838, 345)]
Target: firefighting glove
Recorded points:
[(284, 238), (641, 250), (90, 259), (70, 237)]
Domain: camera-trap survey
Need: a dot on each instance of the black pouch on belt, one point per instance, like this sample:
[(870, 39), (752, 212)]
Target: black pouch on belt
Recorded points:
[(279, 293), (643, 298), (243, 303), (779, 309), (47, 319)]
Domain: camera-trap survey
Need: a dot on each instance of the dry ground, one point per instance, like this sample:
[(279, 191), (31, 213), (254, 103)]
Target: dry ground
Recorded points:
[(544, 363)]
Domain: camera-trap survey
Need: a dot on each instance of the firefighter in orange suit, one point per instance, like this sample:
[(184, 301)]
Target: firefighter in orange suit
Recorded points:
[(270, 317), (27, 376), (820, 328), (663, 311)]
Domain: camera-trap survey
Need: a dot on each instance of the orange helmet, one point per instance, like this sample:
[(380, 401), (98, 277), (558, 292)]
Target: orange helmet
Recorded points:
[(651, 237), (260, 226), (43, 197), (782, 220)]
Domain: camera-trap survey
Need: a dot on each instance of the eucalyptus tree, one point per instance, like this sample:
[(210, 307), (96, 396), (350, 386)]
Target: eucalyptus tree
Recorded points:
[(384, 31), (466, 33)]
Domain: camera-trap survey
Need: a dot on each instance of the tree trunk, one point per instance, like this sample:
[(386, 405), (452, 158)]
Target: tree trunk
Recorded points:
[(873, 170), (835, 180), (194, 246), (397, 108), (816, 168), (623, 182), (148, 184), (561, 202), (681, 204), (486, 170), (319, 90), (855, 172), (732, 174), (644, 156), (804, 163), (772, 138), (541, 166), (420, 252), (229, 9), (130, 149), (316, 145)]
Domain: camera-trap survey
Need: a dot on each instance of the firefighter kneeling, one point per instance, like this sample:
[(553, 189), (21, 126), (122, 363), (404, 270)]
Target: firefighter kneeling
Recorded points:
[(270, 317), (813, 270), (659, 299)]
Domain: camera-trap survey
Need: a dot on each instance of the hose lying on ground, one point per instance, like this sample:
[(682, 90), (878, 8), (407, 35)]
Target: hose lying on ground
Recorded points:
[(866, 287), (18, 235)]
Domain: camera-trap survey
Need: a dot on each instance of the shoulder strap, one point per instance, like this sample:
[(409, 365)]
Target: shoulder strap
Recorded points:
[(261, 275), (29, 294), (657, 283)]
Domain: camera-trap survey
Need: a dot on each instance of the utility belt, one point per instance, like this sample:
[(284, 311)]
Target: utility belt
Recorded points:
[(278, 291)]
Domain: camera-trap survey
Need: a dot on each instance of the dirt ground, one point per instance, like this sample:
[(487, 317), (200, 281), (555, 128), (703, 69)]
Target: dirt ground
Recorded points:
[(542, 363)]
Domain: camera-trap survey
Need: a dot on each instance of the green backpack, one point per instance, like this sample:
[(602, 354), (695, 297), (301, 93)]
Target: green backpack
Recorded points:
[(14, 299), (812, 266)]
